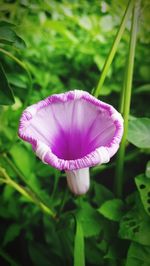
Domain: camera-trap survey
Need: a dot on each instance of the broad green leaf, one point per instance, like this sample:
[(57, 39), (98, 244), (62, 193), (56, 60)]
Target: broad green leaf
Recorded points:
[(143, 186), (139, 132), (4, 165), (134, 262), (9, 36), (17, 80), (101, 194), (134, 225), (6, 137), (138, 255), (147, 172), (79, 256), (19, 42), (112, 209), (90, 220), (6, 93), (12, 232), (23, 159), (8, 193), (4, 23)]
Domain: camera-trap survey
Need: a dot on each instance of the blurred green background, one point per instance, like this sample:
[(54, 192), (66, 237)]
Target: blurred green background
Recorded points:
[(49, 47)]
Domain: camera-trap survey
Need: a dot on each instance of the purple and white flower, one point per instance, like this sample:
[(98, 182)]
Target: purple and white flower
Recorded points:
[(72, 131)]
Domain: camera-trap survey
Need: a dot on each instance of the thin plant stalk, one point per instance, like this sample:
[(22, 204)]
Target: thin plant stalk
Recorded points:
[(114, 47), (5, 178), (121, 102), (127, 100), (23, 178), (79, 246)]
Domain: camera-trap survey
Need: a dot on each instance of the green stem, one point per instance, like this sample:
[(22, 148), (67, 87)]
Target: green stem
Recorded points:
[(114, 48), (65, 196), (7, 180), (20, 175), (127, 100), (79, 249), (121, 102), (14, 168), (31, 196), (14, 58), (21, 64)]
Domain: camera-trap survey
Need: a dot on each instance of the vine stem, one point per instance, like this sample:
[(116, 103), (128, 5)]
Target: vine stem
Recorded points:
[(5, 178), (114, 48), (126, 100)]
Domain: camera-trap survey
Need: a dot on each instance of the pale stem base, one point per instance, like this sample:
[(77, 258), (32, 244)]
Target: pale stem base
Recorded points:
[(78, 180)]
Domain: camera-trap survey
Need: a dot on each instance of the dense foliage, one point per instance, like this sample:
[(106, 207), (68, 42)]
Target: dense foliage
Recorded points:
[(49, 47)]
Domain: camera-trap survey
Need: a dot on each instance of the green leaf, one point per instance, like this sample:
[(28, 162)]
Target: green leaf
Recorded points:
[(90, 220), (19, 42), (101, 194), (143, 186), (79, 256), (147, 172), (6, 93), (9, 36), (134, 225), (17, 80), (133, 262), (4, 23), (112, 209), (5, 165), (139, 132), (8, 193), (138, 255), (12, 232), (23, 159)]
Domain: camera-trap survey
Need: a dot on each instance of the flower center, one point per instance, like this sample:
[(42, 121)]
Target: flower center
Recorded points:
[(81, 128)]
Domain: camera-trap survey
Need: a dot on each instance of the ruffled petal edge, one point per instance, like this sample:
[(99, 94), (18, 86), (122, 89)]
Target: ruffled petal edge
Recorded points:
[(99, 156)]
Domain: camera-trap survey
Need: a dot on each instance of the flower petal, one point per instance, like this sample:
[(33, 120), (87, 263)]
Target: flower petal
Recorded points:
[(72, 130)]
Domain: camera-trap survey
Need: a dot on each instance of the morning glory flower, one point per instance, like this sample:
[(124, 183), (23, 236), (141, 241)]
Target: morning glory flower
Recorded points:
[(72, 131)]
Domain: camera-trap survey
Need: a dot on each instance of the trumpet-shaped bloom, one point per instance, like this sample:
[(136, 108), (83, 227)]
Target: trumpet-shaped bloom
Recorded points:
[(72, 131)]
